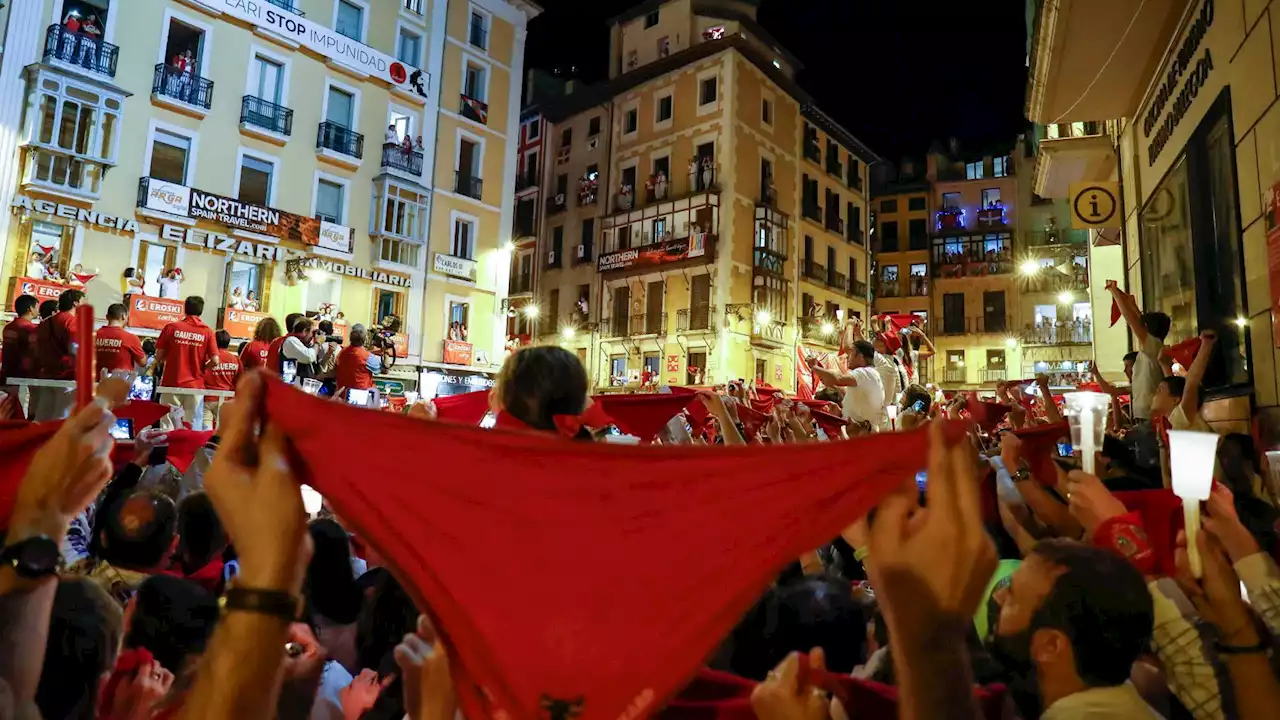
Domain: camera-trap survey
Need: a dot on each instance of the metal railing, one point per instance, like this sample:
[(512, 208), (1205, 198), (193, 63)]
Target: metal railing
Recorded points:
[(857, 289), (835, 223), (266, 115), (855, 235), (473, 109), (1079, 129), (769, 260), (971, 259), (954, 375), (288, 5), (834, 166), (917, 285), (819, 330), (557, 203), (812, 151), (701, 318), (889, 289), (526, 180), (814, 271), (1066, 237), (994, 324), (394, 156), (837, 280), (634, 325), (991, 375), (812, 210), (520, 284), (81, 50), (467, 185), (182, 86), (1065, 332), (340, 139)]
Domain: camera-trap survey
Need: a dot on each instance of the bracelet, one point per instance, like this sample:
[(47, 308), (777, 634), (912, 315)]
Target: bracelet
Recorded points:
[(275, 603), (1261, 647)]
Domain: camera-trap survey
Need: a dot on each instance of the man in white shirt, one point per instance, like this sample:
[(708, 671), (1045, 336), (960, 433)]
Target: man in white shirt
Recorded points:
[(863, 389), (1073, 619), (170, 285), (1150, 330), (891, 376)]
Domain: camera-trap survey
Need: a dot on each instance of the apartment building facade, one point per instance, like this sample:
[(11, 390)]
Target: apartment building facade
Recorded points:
[(1188, 101), (971, 256), (282, 155), (689, 269), (520, 309)]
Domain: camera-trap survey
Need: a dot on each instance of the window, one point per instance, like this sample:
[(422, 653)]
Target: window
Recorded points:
[(170, 157), (469, 162), (1000, 166), (951, 200), (566, 137), (917, 234), (707, 91), (402, 123), (409, 48), (478, 33), (973, 170), (56, 261), (268, 79), (915, 204), (593, 126), (630, 121), (993, 311), (400, 252), (153, 259), (464, 233), (459, 319), (953, 315), (889, 206), (557, 247), (255, 180), (330, 198), (76, 119), (695, 368), (762, 367), (889, 236), (664, 46), (588, 240), (350, 20), (995, 360), (414, 6), (249, 278), (651, 20), (341, 108), (664, 109), (474, 85), (387, 302), (766, 111), (990, 197), (919, 280), (535, 128)]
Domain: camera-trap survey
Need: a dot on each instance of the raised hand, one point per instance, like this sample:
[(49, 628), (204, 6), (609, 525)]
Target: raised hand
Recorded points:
[(1090, 502), (358, 697), (1216, 594), (136, 699), (424, 666), (783, 696)]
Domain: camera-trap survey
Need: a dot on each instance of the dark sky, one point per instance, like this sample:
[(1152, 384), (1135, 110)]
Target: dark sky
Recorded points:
[(897, 74)]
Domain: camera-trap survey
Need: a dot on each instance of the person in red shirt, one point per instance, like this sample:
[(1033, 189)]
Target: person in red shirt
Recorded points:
[(56, 356), (222, 376), (117, 349), (273, 352), (186, 349), (356, 365), (18, 345), (254, 353)]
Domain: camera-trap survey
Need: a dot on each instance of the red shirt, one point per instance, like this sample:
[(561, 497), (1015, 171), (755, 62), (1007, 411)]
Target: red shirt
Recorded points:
[(353, 369), (223, 375), (187, 345), (254, 355), (273, 354), (54, 336), (18, 350), (118, 349)]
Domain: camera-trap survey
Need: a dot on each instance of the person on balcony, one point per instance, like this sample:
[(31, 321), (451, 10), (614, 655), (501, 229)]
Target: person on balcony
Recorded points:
[(406, 146), (417, 145), (391, 137), (251, 302)]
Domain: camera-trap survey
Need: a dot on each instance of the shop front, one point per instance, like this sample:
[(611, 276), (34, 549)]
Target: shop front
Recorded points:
[(441, 382)]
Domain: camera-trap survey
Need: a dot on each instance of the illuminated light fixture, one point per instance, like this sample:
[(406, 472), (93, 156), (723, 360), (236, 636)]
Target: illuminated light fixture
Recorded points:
[(1242, 322), (777, 64), (1066, 297), (1011, 343), (1030, 267), (828, 328), (568, 333), (508, 246), (531, 311), (763, 317)]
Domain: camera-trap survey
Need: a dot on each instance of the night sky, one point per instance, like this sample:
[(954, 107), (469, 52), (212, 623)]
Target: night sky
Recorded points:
[(898, 75)]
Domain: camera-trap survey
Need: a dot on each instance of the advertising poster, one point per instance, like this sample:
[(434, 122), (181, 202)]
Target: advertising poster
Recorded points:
[(656, 254), (154, 313), (455, 352), (41, 290), (241, 323)]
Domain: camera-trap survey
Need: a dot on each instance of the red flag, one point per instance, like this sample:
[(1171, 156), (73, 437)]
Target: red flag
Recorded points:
[(1184, 353), (987, 414), (464, 409), (804, 375), (645, 415), (1115, 312), (1040, 447)]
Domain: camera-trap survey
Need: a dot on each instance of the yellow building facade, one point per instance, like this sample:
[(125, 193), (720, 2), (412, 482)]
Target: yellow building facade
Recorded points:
[(687, 269), (282, 155)]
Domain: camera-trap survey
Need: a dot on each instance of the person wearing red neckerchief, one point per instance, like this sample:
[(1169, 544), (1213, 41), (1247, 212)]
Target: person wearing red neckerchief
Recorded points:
[(254, 353), (115, 348), (186, 349), (17, 348), (222, 375), (55, 355), (273, 350)]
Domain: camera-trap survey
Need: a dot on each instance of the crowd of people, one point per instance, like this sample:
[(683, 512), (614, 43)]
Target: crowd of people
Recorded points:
[(919, 556)]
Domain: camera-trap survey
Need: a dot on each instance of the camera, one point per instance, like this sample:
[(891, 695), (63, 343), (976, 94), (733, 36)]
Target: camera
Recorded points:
[(335, 339)]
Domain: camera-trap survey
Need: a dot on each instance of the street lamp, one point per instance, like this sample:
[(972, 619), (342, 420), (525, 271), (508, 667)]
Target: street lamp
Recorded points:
[(531, 311), (828, 328), (1011, 343), (763, 317), (1030, 267), (568, 333), (1066, 297)]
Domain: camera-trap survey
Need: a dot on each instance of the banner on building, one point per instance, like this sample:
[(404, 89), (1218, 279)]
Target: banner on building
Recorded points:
[(154, 313), (457, 352), (656, 254), (41, 290), (174, 199), (241, 323), (400, 342)]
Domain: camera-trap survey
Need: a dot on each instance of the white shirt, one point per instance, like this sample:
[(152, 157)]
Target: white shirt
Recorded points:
[(1147, 375), (328, 703), (35, 270), (169, 288), (1121, 702), (294, 349), (865, 401), (890, 379)]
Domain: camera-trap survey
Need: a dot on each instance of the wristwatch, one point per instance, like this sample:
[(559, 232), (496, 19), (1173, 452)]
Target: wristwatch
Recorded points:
[(275, 603), (32, 558), (1022, 475)]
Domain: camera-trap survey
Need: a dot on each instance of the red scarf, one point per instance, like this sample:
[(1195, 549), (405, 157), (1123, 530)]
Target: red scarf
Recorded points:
[(987, 414), (127, 665), (143, 413), (829, 423), (674, 520), (465, 409), (1184, 353), (1039, 448), (645, 415)]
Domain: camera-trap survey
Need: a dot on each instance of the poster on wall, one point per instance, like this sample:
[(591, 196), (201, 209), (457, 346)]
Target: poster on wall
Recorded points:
[(400, 342), (41, 290), (241, 323), (654, 255), (1271, 218), (457, 352), (154, 313)]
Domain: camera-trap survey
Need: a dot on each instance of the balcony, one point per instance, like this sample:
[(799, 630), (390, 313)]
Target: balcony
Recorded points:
[(520, 284), (522, 227), (183, 91), (855, 235), (858, 289), (1056, 333), (271, 121), (525, 180), (473, 109), (917, 285), (1055, 238), (992, 374), (1065, 278), (819, 330), (815, 272), (288, 5), (811, 210), (704, 178), (621, 326), (588, 192), (971, 258), (1069, 153), (954, 375), (891, 289), (334, 139), (82, 51), (834, 222), (834, 166), (696, 319), (395, 157), (557, 203), (812, 152), (464, 184), (837, 281), (991, 325)]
